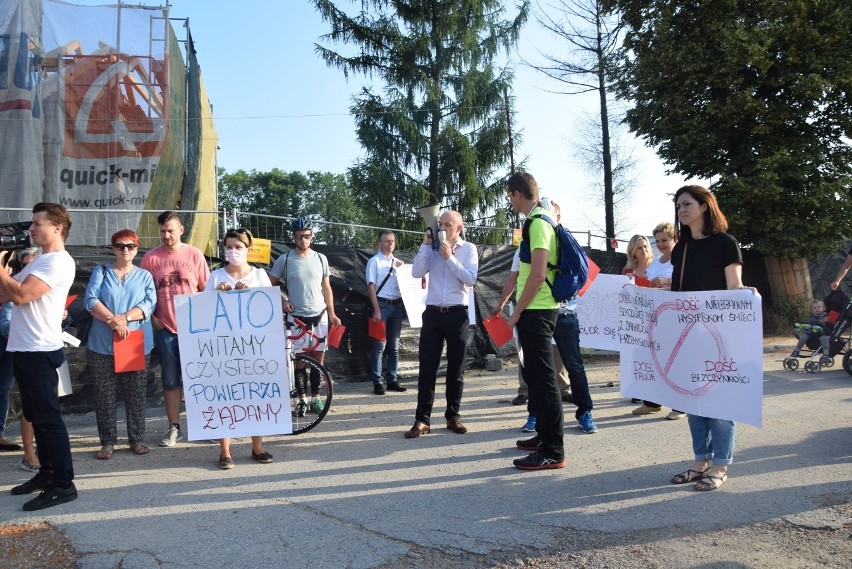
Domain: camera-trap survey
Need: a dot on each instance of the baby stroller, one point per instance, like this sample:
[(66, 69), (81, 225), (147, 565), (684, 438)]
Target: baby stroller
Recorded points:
[(838, 328)]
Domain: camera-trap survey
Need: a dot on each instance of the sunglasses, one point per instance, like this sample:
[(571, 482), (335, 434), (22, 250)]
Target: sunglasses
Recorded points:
[(123, 246), (303, 236)]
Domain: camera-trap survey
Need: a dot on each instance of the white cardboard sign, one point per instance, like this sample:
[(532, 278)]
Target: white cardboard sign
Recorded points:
[(597, 313), (698, 352), (234, 363)]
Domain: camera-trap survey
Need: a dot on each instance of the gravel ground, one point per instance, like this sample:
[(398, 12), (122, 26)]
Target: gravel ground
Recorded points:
[(34, 546), (778, 543), (774, 544)]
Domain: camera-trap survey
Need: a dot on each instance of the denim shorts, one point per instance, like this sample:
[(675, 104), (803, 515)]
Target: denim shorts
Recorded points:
[(167, 346)]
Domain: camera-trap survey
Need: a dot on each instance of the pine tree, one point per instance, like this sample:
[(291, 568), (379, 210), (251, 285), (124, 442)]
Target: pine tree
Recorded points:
[(436, 131)]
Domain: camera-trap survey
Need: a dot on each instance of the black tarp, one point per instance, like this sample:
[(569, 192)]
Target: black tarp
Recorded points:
[(347, 266)]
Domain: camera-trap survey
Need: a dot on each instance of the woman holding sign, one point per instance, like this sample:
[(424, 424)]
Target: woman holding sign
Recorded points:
[(705, 258), (659, 275), (237, 275), (121, 298)]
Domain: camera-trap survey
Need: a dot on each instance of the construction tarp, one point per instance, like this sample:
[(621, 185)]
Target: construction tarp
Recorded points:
[(94, 109)]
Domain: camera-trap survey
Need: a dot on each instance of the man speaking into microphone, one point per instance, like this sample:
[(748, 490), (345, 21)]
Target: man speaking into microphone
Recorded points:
[(452, 269)]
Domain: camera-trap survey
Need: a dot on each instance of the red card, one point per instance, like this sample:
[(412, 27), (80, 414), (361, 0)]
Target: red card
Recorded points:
[(593, 272), (498, 329), (376, 330), (335, 335), (129, 354)]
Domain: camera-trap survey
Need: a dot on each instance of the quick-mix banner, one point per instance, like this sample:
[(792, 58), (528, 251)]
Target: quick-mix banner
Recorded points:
[(105, 92)]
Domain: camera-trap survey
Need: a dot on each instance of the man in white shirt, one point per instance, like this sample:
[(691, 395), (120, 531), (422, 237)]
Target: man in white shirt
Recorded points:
[(39, 292), (385, 296), (452, 270)]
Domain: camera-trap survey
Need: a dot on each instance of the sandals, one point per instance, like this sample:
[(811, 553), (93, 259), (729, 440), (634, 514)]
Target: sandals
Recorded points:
[(689, 476), (139, 449), (709, 483), (105, 453)]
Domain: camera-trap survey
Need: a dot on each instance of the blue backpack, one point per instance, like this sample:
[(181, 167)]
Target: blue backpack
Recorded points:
[(572, 264)]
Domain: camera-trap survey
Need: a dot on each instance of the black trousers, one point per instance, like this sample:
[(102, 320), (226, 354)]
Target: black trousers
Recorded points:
[(440, 327), (535, 330), (39, 387)]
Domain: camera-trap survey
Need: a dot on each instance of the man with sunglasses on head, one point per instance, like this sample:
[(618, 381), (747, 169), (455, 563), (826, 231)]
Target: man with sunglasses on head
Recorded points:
[(39, 292), (177, 268), (305, 276)]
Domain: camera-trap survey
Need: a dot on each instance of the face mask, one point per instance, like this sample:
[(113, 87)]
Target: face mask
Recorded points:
[(236, 256)]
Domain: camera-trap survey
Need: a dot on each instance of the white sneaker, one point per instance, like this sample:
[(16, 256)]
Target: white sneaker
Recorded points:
[(675, 415), (174, 435)]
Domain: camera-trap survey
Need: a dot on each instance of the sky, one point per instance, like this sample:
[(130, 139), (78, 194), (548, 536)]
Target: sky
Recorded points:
[(277, 105)]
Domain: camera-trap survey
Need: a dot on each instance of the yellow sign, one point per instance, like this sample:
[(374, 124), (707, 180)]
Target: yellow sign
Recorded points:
[(261, 251)]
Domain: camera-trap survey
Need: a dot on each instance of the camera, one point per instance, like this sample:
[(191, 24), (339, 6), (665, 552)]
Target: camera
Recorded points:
[(14, 236)]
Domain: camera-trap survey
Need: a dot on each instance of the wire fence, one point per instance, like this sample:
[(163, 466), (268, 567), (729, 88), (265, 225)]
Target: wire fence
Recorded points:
[(277, 228), (95, 228)]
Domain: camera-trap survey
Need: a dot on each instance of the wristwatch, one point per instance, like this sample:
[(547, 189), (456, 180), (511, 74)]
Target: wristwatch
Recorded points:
[(127, 316)]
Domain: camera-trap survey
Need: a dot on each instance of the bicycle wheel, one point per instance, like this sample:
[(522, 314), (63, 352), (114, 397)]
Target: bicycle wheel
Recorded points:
[(314, 383)]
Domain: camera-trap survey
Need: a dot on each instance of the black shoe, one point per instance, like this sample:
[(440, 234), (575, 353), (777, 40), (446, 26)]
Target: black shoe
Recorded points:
[(37, 482), (566, 397), (378, 389), (634, 400), (536, 461), (395, 386), (529, 444), (53, 496), (521, 399)]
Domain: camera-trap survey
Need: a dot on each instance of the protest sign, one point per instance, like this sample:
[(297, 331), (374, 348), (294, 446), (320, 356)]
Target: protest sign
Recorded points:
[(699, 352), (597, 313), (413, 291), (234, 363)]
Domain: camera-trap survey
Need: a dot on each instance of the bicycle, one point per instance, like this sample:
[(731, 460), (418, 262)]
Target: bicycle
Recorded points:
[(305, 370)]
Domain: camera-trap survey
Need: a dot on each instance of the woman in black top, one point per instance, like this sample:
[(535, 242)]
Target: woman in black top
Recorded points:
[(705, 258)]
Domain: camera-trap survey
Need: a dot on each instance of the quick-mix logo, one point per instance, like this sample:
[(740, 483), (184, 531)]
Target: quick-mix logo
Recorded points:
[(113, 108), (114, 131)]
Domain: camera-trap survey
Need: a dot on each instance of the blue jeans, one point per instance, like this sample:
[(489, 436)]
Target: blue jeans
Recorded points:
[(7, 377), (167, 346), (392, 317), (712, 439), (567, 338), (535, 330)]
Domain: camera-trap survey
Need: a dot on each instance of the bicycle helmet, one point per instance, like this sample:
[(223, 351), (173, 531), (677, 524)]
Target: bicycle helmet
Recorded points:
[(300, 224)]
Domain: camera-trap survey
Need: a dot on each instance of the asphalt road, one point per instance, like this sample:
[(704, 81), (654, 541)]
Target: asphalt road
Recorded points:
[(355, 493)]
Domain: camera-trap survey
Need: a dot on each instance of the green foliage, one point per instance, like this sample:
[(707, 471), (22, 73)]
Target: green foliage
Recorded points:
[(755, 94), (319, 196), (436, 132), (781, 315)]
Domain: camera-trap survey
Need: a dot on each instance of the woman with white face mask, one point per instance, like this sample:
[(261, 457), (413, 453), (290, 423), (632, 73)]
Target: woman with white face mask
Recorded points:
[(237, 275)]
